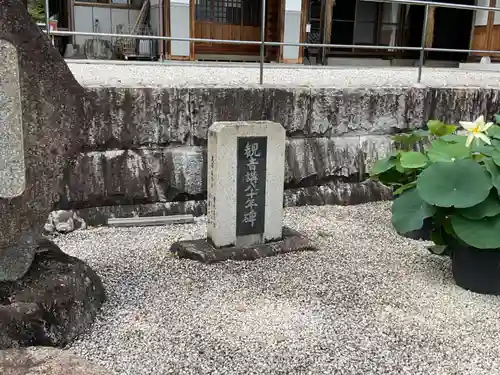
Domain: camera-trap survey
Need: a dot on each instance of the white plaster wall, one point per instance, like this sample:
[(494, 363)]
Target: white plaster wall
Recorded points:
[(496, 20), (109, 19), (179, 27), (83, 23), (293, 5), (481, 18), (292, 28)]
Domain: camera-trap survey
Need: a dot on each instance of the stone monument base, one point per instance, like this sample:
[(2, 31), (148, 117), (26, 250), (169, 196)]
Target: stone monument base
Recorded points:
[(55, 301), (204, 251)]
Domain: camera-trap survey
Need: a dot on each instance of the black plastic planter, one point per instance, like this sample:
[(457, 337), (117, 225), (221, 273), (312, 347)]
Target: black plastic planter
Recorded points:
[(476, 270)]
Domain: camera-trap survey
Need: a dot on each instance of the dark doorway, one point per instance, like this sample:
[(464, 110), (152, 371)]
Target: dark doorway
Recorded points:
[(452, 29)]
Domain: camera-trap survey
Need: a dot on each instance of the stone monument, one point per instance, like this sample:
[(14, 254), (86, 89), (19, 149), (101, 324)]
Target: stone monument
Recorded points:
[(41, 110), (245, 182)]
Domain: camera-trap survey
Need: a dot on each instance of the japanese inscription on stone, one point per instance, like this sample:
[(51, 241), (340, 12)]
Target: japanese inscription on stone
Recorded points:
[(12, 168), (251, 185)]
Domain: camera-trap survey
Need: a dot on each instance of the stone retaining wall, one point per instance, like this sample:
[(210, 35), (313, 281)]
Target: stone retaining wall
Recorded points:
[(144, 151)]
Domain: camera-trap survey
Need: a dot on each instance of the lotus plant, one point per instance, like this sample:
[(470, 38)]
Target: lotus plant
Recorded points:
[(454, 181)]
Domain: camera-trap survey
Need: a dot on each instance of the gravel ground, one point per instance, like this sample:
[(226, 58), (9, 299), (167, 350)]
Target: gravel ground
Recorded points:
[(369, 302), (161, 75)]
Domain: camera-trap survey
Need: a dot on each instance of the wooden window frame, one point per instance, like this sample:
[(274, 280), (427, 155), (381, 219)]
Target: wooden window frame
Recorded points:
[(378, 25)]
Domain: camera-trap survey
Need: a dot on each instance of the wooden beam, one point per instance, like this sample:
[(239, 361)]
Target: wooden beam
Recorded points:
[(328, 20), (325, 26), (489, 27), (304, 19), (192, 29), (281, 28), (429, 33)]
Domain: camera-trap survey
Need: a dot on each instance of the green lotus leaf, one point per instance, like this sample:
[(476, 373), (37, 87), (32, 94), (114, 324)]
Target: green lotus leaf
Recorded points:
[(462, 183), (383, 165), (409, 211), (406, 139), (497, 119), (493, 131), (487, 208), (444, 151), (413, 160), (421, 133), (495, 156), (439, 128), (494, 171), (483, 149), (454, 138), (400, 168), (405, 187), (482, 234)]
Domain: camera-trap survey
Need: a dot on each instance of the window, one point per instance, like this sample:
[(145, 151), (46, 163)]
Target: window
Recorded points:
[(229, 12), (344, 14), (377, 24)]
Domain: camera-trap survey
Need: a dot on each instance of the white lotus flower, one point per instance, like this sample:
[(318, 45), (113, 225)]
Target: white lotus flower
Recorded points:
[(476, 130)]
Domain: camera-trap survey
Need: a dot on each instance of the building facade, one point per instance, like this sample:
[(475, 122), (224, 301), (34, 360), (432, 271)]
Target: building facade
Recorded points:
[(339, 22)]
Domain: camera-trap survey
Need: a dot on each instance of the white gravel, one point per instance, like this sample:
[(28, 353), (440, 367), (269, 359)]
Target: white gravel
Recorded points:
[(165, 75), (369, 302)]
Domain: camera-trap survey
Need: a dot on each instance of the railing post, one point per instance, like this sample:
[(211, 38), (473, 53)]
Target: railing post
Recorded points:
[(262, 39), (47, 18), (422, 45)]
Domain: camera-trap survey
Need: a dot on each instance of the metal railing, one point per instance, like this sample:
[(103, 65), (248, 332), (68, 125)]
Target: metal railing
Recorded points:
[(262, 43)]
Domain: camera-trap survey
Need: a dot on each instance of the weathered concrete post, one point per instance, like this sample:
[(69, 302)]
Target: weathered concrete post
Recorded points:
[(41, 111), (245, 182)]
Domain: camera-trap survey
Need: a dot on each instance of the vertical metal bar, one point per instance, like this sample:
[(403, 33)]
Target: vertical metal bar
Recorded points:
[(262, 39), (47, 18), (422, 45)]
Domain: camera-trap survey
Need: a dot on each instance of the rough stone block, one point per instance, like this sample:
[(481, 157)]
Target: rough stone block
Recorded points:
[(52, 304), (50, 111), (315, 159), (337, 193), (209, 105), (130, 176), (453, 105), (204, 251), (359, 111), (134, 117), (109, 176), (183, 172), (290, 107)]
